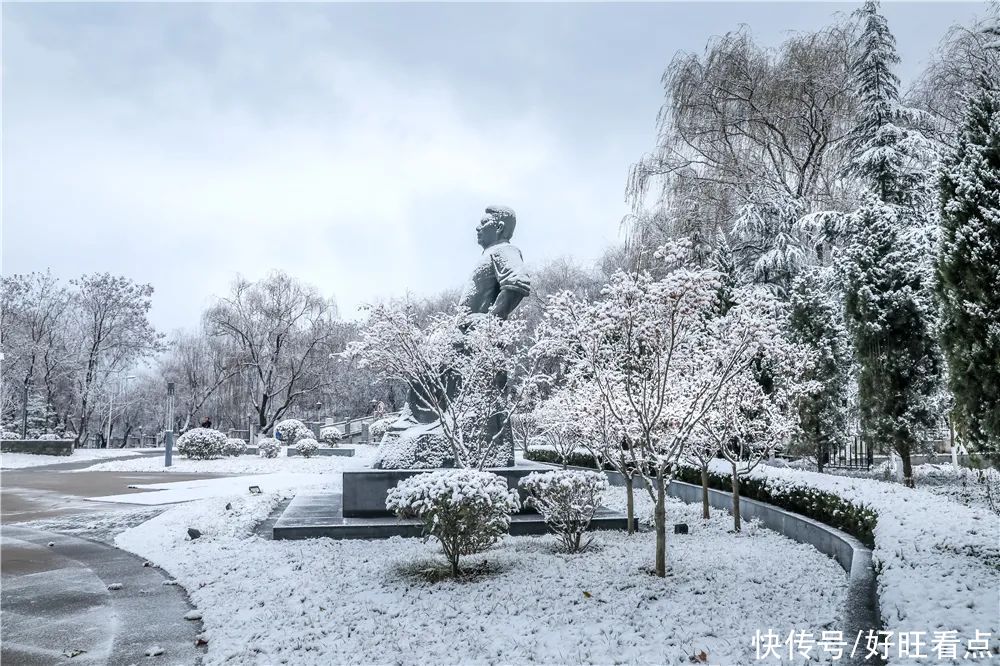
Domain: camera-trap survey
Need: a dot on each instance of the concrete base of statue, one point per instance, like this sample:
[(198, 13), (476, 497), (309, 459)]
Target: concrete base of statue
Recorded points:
[(359, 512)]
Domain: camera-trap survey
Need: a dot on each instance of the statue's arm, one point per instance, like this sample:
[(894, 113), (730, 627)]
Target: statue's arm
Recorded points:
[(515, 283), (507, 300)]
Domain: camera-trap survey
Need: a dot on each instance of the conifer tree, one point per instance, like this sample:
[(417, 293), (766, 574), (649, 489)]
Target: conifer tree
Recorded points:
[(968, 272), (885, 154), (890, 320), (816, 321)]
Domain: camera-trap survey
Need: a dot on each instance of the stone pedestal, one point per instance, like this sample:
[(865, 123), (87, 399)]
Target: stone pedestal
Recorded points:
[(365, 491)]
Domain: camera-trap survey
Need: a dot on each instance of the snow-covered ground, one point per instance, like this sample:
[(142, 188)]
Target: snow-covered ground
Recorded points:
[(22, 460), (323, 601), (173, 492), (971, 487), (246, 464), (938, 561)]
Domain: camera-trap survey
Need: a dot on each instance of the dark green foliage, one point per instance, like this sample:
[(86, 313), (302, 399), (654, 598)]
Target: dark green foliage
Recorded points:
[(829, 509), (889, 317), (857, 520), (816, 321), (968, 272), (884, 153)]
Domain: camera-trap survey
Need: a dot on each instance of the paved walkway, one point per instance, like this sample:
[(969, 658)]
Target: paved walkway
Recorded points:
[(56, 601)]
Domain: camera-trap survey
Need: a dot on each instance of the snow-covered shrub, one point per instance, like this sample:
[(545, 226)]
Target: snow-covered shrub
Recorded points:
[(567, 500), (234, 446), (379, 427), (307, 447), (290, 431), (466, 510), (201, 444), (330, 435), (9, 434), (49, 437), (268, 447), (424, 451)]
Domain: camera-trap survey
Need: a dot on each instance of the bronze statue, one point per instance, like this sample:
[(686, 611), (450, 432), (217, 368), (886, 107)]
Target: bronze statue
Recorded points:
[(499, 282)]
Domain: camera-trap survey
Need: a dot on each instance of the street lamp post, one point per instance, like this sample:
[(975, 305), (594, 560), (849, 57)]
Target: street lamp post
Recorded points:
[(168, 436), (122, 386)]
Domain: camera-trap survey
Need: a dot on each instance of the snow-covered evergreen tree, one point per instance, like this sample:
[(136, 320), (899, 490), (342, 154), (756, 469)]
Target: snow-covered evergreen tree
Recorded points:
[(886, 155), (816, 321), (890, 319), (968, 269)]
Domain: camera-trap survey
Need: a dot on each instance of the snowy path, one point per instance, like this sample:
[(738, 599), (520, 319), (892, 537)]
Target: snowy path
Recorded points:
[(56, 601)]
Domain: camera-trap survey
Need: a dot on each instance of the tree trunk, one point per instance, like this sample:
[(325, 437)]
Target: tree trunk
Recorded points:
[(736, 500), (704, 494), (904, 453), (630, 502), (660, 520)]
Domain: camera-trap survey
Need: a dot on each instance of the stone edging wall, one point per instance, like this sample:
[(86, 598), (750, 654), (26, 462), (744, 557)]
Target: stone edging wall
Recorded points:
[(47, 447), (861, 611)]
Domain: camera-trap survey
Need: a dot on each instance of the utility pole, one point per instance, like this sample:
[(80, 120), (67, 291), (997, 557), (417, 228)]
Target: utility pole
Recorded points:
[(168, 436)]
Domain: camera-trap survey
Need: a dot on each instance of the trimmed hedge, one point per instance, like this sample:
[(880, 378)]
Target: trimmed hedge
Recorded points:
[(827, 508)]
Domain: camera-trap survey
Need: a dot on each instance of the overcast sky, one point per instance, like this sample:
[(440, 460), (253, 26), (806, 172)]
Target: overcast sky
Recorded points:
[(353, 146)]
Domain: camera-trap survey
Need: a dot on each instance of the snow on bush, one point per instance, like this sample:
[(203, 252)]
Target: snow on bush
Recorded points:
[(428, 450), (423, 451), (379, 427), (930, 553), (567, 501), (9, 434), (466, 510), (330, 434), (234, 446), (201, 444), (291, 431), (307, 447), (49, 437), (268, 447)]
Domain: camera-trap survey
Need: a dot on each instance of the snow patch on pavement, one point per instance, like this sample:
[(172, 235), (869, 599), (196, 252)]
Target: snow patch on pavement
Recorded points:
[(25, 460), (245, 464), (173, 492)]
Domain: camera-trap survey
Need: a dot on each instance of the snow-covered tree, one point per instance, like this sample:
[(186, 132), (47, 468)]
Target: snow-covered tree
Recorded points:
[(559, 425), (282, 333), (890, 319), (112, 333), (658, 357), (967, 56), (702, 449), (968, 270), (750, 141), (816, 321), (604, 436), (34, 312), (747, 424), (888, 156), (472, 378)]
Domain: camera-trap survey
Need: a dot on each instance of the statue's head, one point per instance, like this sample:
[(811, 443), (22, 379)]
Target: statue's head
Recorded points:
[(496, 226)]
